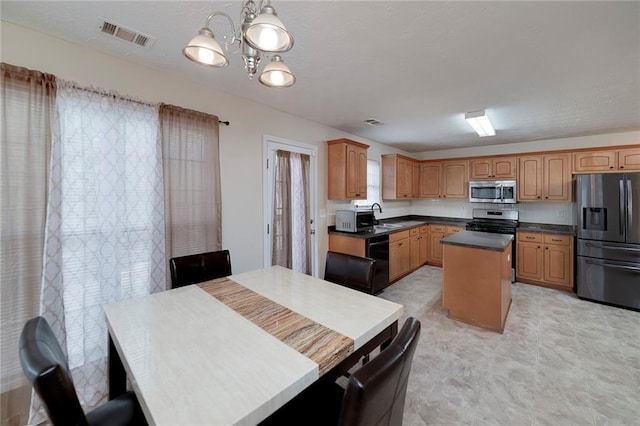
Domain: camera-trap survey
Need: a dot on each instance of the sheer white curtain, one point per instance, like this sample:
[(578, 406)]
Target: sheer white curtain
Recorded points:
[(105, 229), (291, 215)]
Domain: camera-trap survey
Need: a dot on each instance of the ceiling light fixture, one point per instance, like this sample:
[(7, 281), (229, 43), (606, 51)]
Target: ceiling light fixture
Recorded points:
[(480, 123), (261, 33)]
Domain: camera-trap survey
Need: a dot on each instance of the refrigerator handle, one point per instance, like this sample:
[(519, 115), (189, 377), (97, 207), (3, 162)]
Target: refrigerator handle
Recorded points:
[(629, 206), (623, 208)]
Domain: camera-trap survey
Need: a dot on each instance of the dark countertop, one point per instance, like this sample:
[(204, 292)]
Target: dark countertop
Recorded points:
[(404, 222), (412, 221), (546, 228), (479, 240)]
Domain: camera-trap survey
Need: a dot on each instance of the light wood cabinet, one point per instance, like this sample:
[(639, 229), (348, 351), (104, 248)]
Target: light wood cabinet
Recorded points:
[(493, 168), (347, 170), (544, 178), (545, 259), (424, 244), (399, 254), (455, 179), (430, 178), (436, 234), (415, 179), (607, 161), (397, 177), (414, 240)]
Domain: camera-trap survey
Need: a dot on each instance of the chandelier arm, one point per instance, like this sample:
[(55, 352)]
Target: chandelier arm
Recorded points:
[(235, 36)]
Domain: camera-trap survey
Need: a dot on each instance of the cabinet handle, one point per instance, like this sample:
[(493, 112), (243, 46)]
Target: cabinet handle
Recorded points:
[(530, 238), (538, 246), (538, 196), (357, 195), (546, 197), (546, 248), (622, 167), (556, 240), (611, 167), (400, 244)]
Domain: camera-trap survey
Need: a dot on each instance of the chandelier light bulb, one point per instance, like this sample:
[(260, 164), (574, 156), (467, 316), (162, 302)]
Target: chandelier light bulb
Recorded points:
[(268, 39)]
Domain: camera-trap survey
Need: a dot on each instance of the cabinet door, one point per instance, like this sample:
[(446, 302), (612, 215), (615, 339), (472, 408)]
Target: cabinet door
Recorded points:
[(529, 261), (415, 179), (356, 172), (504, 168), (430, 180), (557, 178), (530, 180), (415, 253), (424, 244), (598, 161), (395, 268), (435, 248), (480, 168), (629, 159), (403, 178), (455, 179), (557, 265)]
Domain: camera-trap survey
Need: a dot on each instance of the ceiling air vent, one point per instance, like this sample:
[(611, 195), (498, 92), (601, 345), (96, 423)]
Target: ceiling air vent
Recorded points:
[(125, 34), (373, 122)]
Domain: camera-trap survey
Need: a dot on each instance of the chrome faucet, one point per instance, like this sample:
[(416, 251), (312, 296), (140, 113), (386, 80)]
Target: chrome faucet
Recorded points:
[(376, 204)]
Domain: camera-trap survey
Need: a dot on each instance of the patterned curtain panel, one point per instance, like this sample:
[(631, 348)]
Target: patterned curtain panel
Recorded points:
[(291, 217), (27, 101), (191, 158), (105, 229)]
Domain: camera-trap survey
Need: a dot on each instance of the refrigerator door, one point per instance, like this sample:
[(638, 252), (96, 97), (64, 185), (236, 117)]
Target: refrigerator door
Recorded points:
[(632, 186), (601, 207)]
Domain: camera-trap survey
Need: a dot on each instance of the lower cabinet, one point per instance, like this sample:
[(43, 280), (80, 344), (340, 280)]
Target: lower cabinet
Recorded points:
[(437, 233), (423, 244), (399, 254), (545, 259)]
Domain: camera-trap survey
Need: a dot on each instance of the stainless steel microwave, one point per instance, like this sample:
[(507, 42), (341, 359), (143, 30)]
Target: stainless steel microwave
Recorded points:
[(493, 191), (354, 220)]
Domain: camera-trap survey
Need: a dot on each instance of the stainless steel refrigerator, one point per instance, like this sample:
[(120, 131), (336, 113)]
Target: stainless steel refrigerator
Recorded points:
[(608, 245)]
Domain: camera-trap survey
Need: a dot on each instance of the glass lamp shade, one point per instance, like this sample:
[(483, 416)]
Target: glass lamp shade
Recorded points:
[(267, 32), (205, 50), (277, 74)]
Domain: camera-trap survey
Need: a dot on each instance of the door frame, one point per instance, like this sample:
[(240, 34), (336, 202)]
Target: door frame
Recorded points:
[(270, 145)]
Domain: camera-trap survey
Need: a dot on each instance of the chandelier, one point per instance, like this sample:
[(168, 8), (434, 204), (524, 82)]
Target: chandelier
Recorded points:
[(261, 33)]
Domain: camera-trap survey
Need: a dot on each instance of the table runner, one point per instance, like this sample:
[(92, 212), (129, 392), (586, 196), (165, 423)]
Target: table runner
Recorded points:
[(315, 341)]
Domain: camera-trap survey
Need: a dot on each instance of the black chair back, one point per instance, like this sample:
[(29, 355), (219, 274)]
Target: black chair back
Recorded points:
[(375, 394), (197, 268), (46, 367), (350, 271)]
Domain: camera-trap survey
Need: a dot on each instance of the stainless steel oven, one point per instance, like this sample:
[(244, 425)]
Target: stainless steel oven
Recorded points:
[(493, 191)]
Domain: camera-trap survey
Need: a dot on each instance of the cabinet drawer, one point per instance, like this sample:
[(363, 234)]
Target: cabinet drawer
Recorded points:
[(396, 236), (413, 232), (560, 240), (530, 237), (424, 229), (438, 228)]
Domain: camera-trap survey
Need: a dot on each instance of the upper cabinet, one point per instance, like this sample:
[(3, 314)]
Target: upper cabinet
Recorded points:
[(607, 161), (455, 179), (545, 178), (430, 178), (493, 168), (347, 174), (398, 177)]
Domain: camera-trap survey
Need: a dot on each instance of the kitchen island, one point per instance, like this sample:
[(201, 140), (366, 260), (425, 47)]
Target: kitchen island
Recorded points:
[(476, 285)]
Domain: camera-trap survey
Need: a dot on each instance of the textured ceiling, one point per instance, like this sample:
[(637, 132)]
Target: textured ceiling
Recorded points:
[(542, 70)]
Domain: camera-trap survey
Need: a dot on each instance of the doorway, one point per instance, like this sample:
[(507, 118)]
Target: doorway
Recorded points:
[(292, 223)]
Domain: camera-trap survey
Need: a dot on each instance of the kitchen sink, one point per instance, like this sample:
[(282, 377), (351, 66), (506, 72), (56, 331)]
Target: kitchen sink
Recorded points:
[(388, 226)]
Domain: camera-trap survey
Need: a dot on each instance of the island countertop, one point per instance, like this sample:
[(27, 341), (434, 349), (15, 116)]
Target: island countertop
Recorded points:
[(481, 240)]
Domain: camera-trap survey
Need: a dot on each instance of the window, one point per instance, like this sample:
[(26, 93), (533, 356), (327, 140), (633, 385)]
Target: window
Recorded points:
[(373, 185)]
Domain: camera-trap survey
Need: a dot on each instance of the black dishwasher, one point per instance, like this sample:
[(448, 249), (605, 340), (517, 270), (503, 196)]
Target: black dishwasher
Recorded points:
[(378, 249)]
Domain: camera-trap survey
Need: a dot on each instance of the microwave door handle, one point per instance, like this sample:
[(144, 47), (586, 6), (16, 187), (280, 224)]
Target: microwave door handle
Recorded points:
[(501, 193)]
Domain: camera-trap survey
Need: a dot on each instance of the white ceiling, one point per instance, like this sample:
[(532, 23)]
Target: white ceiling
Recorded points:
[(542, 70)]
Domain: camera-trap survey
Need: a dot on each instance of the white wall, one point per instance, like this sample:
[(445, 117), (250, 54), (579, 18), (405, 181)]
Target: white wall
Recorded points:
[(240, 143)]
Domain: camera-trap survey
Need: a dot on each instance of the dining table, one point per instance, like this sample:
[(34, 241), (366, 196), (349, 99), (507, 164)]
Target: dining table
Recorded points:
[(231, 351)]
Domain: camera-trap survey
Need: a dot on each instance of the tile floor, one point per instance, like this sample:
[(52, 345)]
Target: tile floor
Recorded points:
[(560, 361)]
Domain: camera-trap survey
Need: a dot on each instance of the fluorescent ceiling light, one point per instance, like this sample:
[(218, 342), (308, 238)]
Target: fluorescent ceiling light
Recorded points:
[(480, 123)]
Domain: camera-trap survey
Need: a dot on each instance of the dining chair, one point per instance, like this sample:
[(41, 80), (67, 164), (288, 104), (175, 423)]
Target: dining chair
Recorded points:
[(350, 271), (46, 367), (201, 267), (375, 393)]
